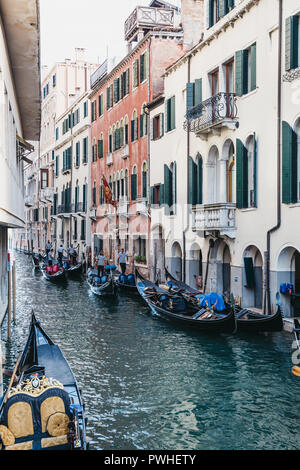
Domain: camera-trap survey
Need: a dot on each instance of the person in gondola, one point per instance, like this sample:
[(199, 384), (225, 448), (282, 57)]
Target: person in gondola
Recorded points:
[(122, 258), (40, 256), (60, 254), (48, 247), (72, 255), (50, 257), (101, 259)]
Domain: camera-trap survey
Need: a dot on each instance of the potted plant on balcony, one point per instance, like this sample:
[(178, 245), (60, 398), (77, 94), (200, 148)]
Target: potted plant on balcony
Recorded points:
[(140, 259)]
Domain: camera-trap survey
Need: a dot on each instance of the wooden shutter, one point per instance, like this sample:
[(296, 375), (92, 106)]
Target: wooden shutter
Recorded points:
[(198, 91), (254, 171), (223, 8), (144, 184), (133, 187), (289, 164), (152, 195), (173, 124), (84, 197), (141, 125), (240, 72), (241, 175), (142, 68), (211, 13), (190, 90), (161, 124), (192, 189), (200, 181), (132, 130), (167, 186), (291, 42), (162, 194), (253, 68), (152, 129)]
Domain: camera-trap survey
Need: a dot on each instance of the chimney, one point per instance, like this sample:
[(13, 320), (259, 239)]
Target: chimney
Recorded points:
[(192, 19), (80, 54)]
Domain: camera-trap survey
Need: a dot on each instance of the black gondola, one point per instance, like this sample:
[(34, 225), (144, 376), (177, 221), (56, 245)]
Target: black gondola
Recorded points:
[(58, 276), (72, 269), (126, 283), (247, 320), (105, 286), (35, 261), (43, 409), (182, 310)]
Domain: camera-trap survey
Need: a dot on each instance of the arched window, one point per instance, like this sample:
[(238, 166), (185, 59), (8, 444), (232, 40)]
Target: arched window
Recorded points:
[(143, 122), (122, 183), (195, 180), (110, 141), (101, 193), (134, 126), (170, 188), (230, 174), (94, 151), (126, 183), (144, 180), (126, 130), (246, 177), (94, 194), (77, 196)]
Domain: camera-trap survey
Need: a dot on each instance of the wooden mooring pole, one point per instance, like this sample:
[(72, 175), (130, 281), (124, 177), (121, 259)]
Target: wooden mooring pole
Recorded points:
[(9, 306), (14, 290)]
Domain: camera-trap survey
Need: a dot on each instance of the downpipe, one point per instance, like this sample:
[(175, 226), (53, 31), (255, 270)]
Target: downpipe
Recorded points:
[(267, 296)]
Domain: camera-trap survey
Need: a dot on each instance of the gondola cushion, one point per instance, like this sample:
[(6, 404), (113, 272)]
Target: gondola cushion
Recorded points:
[(123, 279), (97, 280), (57, 424), (55, 269), (131, 279), (66, 265), (6, 436), (104, 279), (112, 267)]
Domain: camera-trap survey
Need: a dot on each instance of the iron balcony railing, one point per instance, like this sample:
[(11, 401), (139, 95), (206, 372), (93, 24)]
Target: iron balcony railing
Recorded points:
[(64, 209), (80, 207), (214, 110)]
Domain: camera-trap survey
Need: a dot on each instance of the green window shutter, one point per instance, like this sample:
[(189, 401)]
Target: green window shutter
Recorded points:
[(142, 125), (116, 90), (152, 129), (142, 69), (84, 196), (198, 91), (241, 72), (211, 13), (289, 164), (223, 8), (136, 73), (200, 181), (241, 175), (144, 184), (192, 190), (173, 124), (249, 271), (152, 195), (291, 42), (230, 4), (253, 68), (136, 129), (167, 186), (255, 171), (162, 194), (190, 87), (133, 187)]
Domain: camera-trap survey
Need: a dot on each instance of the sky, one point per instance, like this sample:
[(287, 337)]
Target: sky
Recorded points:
[(92, 24)]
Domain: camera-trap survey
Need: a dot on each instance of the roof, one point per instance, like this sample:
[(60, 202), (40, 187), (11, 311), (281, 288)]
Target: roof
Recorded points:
[(163, 4)]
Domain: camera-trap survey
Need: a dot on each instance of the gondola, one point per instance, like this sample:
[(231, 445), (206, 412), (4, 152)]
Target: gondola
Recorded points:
[(58, 276), (42, 408), (72, 269), (247, 320), (181, 309), (296, 369), (126, 283), (35, 261), (105, 286)]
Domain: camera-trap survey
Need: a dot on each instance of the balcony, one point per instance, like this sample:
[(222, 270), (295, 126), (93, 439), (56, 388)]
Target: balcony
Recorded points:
[(123, 206), (97, 76), (147, 18), (219, 217), (29, 201), (47, 194), (125, 151), (64, 209), (80, 207), (212, 115), (109, 160)]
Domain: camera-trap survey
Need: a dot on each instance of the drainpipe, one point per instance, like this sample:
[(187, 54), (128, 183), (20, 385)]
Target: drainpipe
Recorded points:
[(187, 181), (267, 299)]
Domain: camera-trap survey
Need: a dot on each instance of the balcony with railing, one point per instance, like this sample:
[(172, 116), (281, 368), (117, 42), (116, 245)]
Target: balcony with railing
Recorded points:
[(65, 209), (147, 18), (29, 200), (218, 217), (80, 207), (212, 115)]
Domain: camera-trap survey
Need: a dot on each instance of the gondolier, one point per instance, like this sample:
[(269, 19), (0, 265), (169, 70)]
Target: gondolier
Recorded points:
[(48, 247), (101, 259), (60, 253), (122, 258)]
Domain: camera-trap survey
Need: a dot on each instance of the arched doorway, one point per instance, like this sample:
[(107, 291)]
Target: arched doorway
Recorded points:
[(252, 277), (288, 272), (195, 267), (213, 175), (176, 261)]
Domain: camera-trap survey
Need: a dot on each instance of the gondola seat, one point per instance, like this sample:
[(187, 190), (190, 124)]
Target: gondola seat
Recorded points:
[(34, 421), (131, 279), (104, 279)]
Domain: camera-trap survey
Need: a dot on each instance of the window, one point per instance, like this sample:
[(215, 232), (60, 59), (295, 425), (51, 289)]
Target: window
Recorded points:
[(143, 125), (193, 93), (94, 194), (156, 194), (246, 156), (245, 70), (85, 109), (109, 97), (140, 249), (134, 127), (94, 110), (75, 117), (85, 150), (135, 78), (101, 147), (117, 96), (218, 9), (54, 80), (94, 151), (170, 188), (292, 42), (57, 166), (134, 184), (126, 133), (143, 67), (67, 158), (77, 161), (290, 165), (144, 180), (170, 114), (195, 181), (100, 105), (157, 126), (44, 179), (57, 133)]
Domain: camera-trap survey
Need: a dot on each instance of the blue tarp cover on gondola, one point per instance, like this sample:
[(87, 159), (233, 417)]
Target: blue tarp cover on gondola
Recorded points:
[(212, 299)]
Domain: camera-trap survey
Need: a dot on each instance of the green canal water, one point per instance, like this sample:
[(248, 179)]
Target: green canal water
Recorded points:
[(150, 385)]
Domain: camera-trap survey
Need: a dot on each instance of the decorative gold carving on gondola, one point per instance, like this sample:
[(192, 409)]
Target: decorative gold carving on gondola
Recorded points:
[(35, 386)]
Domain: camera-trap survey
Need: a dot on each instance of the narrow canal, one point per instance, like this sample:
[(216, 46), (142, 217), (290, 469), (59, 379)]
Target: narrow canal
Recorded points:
[(149, 385)]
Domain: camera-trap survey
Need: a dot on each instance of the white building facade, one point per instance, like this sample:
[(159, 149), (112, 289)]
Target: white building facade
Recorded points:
[(19, 116), (225, 211)]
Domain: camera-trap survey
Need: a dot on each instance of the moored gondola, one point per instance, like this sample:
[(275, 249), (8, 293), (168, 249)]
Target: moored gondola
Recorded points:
[(42, 408), (72, 269), (54, 274), (126, 283), (181, 309), (102, 286), (247, 320)]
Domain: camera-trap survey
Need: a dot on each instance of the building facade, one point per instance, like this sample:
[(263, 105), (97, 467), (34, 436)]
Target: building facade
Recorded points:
[(120, 132), (225, 194), (19, 116)]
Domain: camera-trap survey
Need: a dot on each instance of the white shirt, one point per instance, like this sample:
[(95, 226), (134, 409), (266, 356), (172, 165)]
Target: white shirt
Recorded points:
[(122, 257), (60, 250), (101, 260)]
